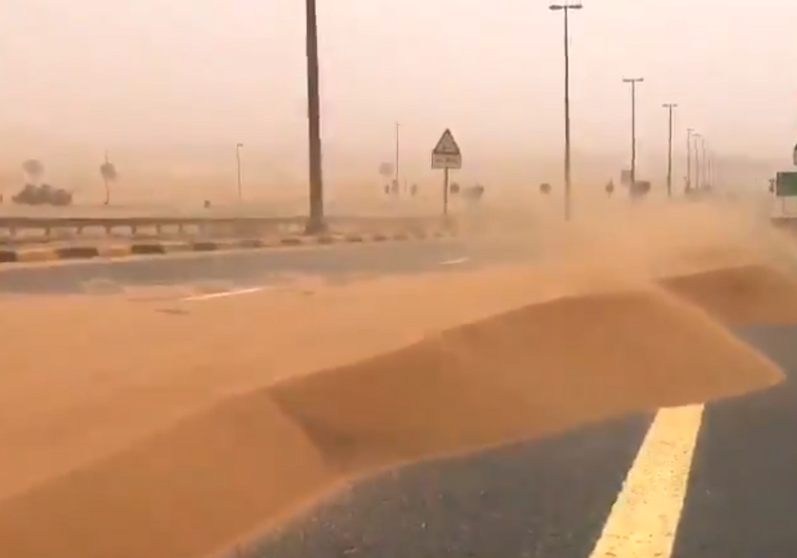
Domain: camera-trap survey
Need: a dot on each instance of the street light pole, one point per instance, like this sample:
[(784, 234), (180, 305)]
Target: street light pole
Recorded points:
[(705, 161), (315, 223), (565, 7), (670, 107), (711, 176), (398, 127), (105, 181), (689, 132), (240, 176), (698, 171), (633, 82)]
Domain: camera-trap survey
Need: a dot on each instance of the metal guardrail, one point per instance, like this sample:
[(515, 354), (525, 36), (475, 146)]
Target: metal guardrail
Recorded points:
[(241, 224)]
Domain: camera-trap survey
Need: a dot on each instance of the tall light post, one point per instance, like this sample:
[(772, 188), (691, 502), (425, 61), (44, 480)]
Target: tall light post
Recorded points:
[(240, 175), (695, 138), (398, 127), (106, 178), (565, 8), (670, 107), (315, 223), (689, 133), (704, 178), (711, 176), (633, 82)]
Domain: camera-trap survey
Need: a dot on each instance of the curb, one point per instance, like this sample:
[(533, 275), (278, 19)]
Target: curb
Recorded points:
[(163, 248)]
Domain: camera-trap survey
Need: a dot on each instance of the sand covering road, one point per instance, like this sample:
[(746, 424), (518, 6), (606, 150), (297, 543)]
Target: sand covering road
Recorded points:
[(556, 349), (528, 372), (750, 294)]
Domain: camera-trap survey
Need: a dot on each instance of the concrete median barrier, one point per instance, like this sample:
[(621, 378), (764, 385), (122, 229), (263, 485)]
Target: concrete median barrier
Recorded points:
[(156, 248)]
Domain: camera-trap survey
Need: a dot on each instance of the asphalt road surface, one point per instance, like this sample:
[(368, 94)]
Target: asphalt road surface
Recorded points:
[(242, 269), (560, 498)]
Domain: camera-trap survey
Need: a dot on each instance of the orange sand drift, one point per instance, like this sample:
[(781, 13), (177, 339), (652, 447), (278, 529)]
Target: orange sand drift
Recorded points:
[(168, 429), (196, 487), (744, 295)]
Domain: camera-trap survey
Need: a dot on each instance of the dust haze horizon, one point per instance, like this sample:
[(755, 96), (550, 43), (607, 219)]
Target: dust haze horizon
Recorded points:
[(186, 81)]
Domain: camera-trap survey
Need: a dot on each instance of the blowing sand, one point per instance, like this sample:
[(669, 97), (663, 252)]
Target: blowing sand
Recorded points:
[(226, 416), (79, 400), (744, 295), (195, 487)]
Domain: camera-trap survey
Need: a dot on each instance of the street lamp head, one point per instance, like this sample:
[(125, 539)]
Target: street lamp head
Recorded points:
[(633, 80), (565, 6)]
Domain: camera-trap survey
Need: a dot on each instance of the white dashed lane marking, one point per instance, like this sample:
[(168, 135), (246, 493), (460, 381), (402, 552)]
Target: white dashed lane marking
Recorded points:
[(222, 294), (454, 262)]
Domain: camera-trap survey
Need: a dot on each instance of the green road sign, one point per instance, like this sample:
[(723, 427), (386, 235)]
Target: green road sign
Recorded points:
[(786, 184)]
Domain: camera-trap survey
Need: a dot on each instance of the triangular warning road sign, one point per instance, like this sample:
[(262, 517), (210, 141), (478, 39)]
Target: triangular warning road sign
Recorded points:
[(447, 145)]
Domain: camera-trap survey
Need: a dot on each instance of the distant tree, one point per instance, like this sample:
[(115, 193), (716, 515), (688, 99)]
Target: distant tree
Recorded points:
[(33, 169), (473, 193), (454, 188), (545, 188), (386, 169)]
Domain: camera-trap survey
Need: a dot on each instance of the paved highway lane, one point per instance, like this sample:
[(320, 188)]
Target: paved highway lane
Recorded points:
[(242, 269), (566, 497), (742, 495), (528, 500), (239, 269)]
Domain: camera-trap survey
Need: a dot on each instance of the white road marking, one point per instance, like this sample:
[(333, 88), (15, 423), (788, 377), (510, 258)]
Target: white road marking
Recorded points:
[(644, 519), (222, 294), (454, 262)]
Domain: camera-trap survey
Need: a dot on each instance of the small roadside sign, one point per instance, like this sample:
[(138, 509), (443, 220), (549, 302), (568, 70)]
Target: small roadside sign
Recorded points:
[(786, 184), (446, 155)]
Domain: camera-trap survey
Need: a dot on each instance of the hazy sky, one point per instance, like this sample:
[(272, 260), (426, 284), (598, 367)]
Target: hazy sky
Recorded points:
[(221, 71)]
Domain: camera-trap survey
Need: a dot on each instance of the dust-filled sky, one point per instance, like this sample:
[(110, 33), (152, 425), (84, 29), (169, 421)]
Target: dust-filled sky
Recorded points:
[(215, 72)]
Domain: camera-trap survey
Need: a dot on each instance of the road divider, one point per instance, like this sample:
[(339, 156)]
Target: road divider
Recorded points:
[(53, 226), (151, 248)]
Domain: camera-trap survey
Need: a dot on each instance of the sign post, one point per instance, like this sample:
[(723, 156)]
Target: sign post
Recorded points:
[(446, 155)]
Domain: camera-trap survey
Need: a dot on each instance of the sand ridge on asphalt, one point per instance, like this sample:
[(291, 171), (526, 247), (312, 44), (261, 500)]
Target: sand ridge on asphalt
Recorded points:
[(281, 396), (179, 357), (228, 469), (743, 295)]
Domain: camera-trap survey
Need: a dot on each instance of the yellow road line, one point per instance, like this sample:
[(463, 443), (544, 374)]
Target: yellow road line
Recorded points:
[(644, 519)]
